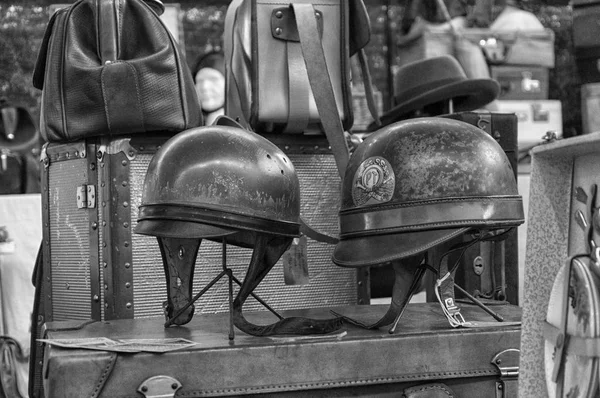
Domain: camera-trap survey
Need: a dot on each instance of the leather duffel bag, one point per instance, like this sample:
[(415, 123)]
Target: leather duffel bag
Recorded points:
[(112, 67)]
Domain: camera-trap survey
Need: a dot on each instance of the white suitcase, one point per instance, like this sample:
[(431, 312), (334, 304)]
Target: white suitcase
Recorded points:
[(535, 119)]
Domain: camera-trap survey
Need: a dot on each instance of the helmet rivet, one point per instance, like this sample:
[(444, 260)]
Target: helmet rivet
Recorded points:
[(181, 252), (278, 31)]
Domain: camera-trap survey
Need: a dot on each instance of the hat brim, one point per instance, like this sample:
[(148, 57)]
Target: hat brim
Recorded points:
[(180, 229), (467, 95), (380, 249)]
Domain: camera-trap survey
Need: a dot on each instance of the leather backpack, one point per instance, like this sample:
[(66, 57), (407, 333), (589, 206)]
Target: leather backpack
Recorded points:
[(288, 66)]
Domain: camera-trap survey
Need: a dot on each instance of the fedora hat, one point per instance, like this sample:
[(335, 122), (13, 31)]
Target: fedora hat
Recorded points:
[(431, 80)]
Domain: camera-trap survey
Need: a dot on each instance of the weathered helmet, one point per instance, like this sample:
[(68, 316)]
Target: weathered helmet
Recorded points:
[(215, 180), (418, 183), (414, 185), (224, 182)]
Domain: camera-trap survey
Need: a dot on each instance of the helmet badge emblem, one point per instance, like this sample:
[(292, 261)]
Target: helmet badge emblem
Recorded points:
[(374, 182)]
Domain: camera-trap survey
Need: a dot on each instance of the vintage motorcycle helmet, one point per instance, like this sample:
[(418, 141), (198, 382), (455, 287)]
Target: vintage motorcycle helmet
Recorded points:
[(418, 183), (223, 182)]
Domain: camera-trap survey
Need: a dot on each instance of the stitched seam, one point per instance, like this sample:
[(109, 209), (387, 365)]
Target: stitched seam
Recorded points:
[(104, 375), (138, 95), (120, 30), (474, 373), (104, 97), (434, 387), (498, 223)]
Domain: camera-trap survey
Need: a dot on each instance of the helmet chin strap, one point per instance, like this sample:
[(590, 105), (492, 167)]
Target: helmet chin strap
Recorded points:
[(407, 282), (267, 251)]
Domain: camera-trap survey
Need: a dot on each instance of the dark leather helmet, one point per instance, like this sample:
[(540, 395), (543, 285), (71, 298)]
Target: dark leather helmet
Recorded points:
[(414, 185), (215, 180), (418, 183), (224, 182)]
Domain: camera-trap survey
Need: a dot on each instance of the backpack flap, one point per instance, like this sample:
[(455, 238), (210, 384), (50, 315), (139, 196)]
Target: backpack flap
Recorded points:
[(283, 99)]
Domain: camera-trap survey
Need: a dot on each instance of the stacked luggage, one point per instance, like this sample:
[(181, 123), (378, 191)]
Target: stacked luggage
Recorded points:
[(139, 195)]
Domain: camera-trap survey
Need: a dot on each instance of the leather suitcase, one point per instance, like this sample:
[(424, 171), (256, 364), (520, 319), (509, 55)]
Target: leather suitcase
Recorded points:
[(588, 64), (472, 362), (590, 108), (561, 178), (95, 267), (490, 270), (534, 119), (586, 31)]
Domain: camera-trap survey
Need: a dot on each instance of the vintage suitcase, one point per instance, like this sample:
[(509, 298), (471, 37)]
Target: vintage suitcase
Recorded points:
[(586, 31), (588, 64), (13, 174), (491, 269), (590, 108), (472, 362), (95, 267), (562, 175), (535, 118), (521, 82)]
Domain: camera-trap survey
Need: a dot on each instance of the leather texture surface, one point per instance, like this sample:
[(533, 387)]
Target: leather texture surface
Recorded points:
[(110, 67), (260, 63), (352, 359)]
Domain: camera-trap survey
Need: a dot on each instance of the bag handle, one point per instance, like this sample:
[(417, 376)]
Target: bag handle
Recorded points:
[(107, 31)]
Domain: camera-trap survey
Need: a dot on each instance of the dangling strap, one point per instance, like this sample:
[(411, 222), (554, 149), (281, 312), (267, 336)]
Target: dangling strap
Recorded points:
[(405, 286), (318, 76), (444, 292), (368, 84), (267, 252)]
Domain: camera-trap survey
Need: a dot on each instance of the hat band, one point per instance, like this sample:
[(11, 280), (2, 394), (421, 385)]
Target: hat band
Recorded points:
[(493, 211), (205, 215), (424, 88)]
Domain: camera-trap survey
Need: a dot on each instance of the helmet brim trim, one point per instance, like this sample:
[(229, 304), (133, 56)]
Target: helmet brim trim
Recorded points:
[(381, 249), (180, 229), (219, 218)]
